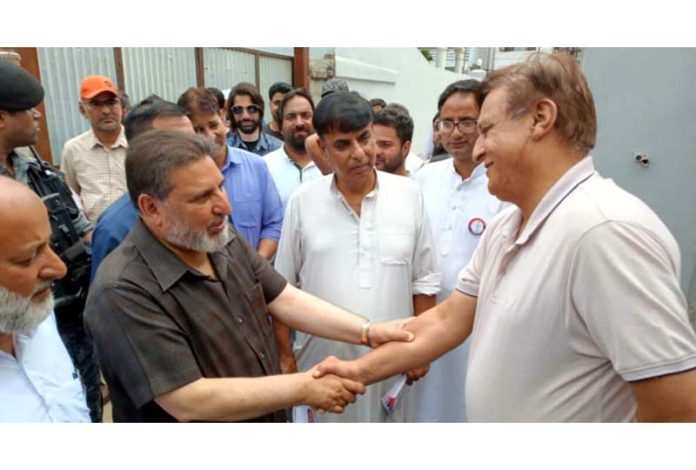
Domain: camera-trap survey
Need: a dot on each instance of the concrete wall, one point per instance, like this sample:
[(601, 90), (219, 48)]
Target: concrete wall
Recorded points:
[(399, 75), (646, 104)]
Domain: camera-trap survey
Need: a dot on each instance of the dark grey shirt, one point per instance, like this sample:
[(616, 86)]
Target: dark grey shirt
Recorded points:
[(159, 325)]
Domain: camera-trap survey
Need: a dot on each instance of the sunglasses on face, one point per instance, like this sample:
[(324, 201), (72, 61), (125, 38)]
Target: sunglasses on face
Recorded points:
[(251, 109)]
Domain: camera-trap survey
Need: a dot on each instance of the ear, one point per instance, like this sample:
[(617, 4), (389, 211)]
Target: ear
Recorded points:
[(3, 119), (543, 118), (322, 146), (150, 210), (406, 148), (83, 111)]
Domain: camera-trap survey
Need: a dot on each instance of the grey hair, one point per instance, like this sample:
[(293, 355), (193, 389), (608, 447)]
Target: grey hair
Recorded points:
[(152, 157)]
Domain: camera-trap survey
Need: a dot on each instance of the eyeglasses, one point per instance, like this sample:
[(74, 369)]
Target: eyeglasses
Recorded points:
[(251, 109), (111, 102), (465, 126)]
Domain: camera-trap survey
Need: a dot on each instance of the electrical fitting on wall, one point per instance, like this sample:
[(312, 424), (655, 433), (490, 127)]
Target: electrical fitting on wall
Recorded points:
[(642, 159)]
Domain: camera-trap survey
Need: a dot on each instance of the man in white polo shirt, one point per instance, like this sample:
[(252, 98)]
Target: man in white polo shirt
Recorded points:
[(573, 295), (460, 208), (38, 381), (290, 166)]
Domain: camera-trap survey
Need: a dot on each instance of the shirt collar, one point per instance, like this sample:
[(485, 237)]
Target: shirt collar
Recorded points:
[(565, 185), (292, 162), (166, 266), (121, 141), (479, 170), (335, 191), (235, 140), (233, 157)]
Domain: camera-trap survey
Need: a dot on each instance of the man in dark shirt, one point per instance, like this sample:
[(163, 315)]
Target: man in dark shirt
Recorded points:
[(180, 310)]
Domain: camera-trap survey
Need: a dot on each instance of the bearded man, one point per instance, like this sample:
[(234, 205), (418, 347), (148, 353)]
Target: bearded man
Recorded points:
[(38, 382), (181, 311)]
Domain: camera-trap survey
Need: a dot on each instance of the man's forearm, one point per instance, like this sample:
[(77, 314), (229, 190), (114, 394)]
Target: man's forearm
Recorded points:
[(437, 331), (267, 248), (234, 399), (304, 312)]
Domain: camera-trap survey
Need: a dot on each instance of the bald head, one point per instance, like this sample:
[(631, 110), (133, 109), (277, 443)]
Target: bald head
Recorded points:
[(27, 263), (14, 195)]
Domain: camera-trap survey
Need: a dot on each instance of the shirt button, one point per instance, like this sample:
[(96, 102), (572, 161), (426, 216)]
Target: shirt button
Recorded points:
[(239, 320), (262, 356)]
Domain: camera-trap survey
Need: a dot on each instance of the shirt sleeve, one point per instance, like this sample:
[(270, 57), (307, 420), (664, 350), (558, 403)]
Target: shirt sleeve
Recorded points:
[(288, 260), (624, 286), (137, 342), (425, 274), (272, 221), (67, 168)]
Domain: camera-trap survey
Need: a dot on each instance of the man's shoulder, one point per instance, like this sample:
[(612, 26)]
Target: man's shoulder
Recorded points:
[(120, 212), (271, 139), (80, 141), (397, 183), (314, 190), (275, 158), (598, 200), (433, 169)]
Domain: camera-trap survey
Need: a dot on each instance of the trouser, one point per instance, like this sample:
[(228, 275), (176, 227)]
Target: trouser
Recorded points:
[(81, 350)]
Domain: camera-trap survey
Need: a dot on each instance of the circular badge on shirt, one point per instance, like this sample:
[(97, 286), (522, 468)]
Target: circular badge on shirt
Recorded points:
[(477, 226)]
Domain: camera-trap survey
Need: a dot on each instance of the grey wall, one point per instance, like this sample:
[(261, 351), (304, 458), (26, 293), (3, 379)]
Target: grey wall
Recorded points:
[(646, 103)]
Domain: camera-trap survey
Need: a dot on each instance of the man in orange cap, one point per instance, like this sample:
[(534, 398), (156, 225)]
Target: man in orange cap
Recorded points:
[(93, 162)]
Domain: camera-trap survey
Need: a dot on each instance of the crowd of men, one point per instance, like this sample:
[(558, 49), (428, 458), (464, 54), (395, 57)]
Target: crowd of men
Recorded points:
[(214, 265)]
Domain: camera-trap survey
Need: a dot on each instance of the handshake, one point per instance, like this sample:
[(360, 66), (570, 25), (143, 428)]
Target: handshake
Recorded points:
[(333, 384)]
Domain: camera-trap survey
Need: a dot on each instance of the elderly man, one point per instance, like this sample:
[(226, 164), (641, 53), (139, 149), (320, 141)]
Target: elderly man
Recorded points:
[(38, 381), (20, 94), (93, 161), (180, 310), (575, 292), (359, 238)]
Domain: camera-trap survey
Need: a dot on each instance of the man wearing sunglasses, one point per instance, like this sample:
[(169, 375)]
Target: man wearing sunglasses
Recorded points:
[(93, 161), (245, 110)]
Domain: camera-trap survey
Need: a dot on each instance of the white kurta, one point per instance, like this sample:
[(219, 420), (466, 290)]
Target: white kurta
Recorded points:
[(372, 265), (458, 210)]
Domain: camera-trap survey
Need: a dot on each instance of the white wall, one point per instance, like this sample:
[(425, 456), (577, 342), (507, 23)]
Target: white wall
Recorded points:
[(399, 75), (645, 104)]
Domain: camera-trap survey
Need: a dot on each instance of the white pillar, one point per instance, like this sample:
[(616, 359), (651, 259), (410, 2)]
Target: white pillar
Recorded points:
[(459, 59), (440, 57)]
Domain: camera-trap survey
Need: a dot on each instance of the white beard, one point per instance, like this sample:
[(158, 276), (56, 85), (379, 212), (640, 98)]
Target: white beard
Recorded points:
[(20, 314), (195, 240)]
